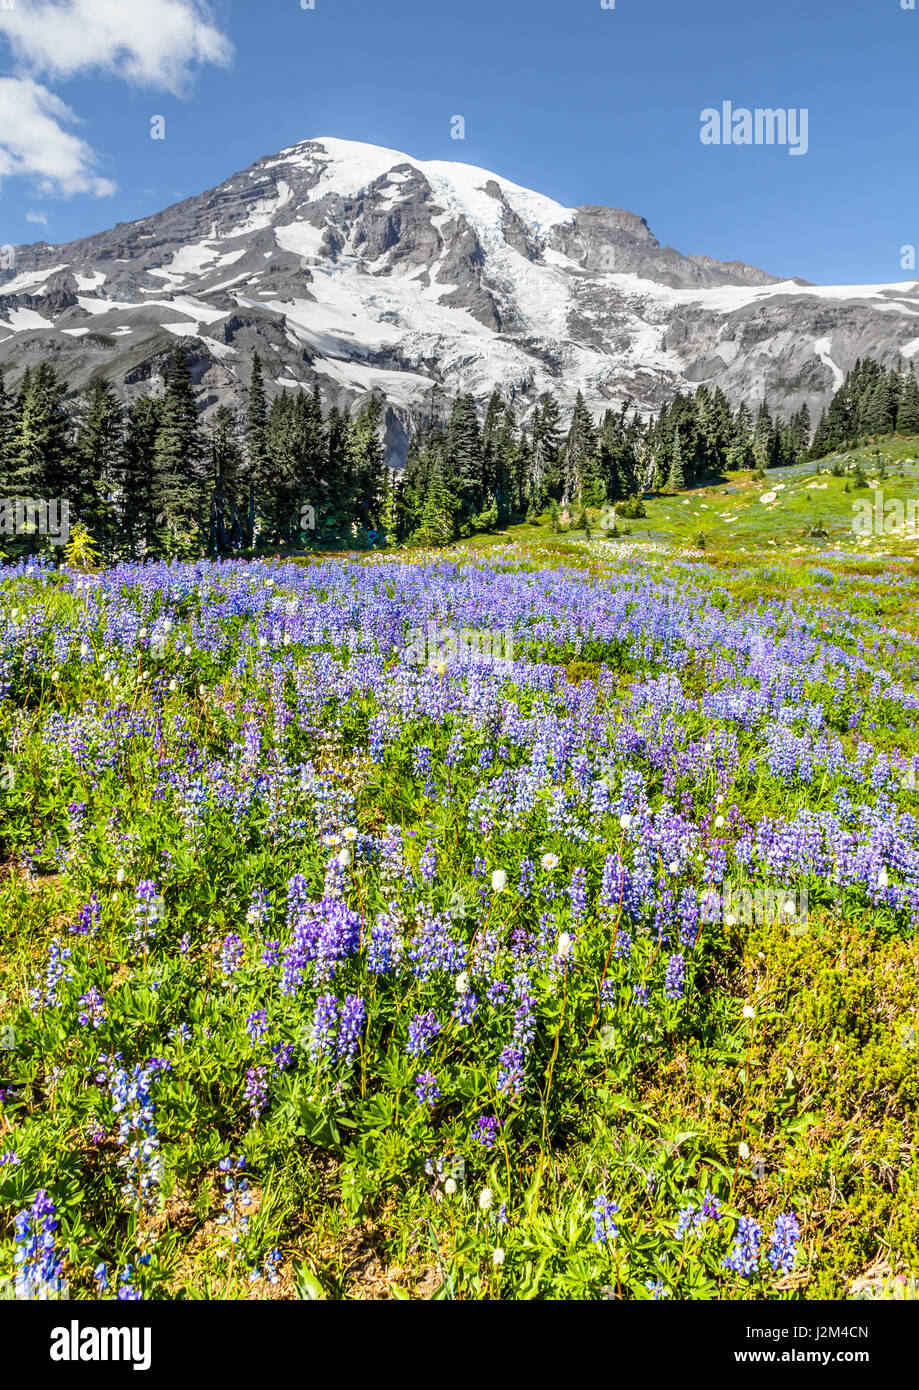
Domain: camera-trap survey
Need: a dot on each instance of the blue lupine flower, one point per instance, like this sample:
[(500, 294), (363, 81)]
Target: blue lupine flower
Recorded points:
[(603, 1212), (422, 1031), (485, 1131), (426, 1088), (351, 1026), (783, 1244), (744, 1256), (38, 1265), (675, 981)]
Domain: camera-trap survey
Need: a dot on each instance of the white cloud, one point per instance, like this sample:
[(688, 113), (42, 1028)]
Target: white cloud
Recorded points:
[(39, 218), (35, 141), (154, 43)]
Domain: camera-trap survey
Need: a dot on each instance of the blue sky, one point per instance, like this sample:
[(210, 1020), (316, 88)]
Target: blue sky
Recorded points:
[(586, 104)]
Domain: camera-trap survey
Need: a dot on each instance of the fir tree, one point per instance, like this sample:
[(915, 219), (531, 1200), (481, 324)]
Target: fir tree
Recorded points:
[(257, 464), (580, 449), (908, 410), (178, 480), (7, 431), (40, 448), (227, 519), (97, 465), (676, 482), (137, 482), (437, 517)]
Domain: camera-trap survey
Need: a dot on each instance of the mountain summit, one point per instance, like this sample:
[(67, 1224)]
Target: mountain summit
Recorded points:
[(367, 270)]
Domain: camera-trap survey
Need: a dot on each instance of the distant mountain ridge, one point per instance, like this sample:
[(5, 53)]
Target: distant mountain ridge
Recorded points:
[(369, 271)]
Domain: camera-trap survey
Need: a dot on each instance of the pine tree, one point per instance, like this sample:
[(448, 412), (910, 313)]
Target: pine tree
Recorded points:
[(338, 521), (580, 449), (7, 431), (763, 437), (41, 439), (676, 481), (179, 482), (257, 467), (369, 465), (545, 447), (137, 482), (467, 457), (97, 465), (227, 520), (908, 411), (437, 517)]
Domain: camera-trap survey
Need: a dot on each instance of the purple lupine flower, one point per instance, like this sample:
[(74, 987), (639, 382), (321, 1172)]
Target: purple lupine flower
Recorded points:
[(675, 981), (47, 995), (426, 1088), (428, 863), (422, 1031), (324, 1027), (148, 911), (256, 1093), (711, 1207), (87, 918), (603, 1211), (237, 1201), (510, 1071), (465, 1008), (283, 1054), (142, 1160), (577, 892), (231, 954), (257, 912), (257, 1025), (783, 1244), (92, 1014), (527, 872), (351, 1026), (385, 950), (485, 1131), (744, 1256), (38, 1265), (324, 933), (525, 1022), (693, 1218)]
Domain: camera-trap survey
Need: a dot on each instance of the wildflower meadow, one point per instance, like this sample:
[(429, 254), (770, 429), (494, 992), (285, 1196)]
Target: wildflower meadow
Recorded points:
[(579, 964)]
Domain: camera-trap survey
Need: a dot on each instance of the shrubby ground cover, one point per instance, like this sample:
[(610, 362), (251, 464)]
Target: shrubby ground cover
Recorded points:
[(591, 972)]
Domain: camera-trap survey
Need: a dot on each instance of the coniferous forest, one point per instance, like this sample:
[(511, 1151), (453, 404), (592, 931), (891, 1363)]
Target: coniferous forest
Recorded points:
[(151, 479)]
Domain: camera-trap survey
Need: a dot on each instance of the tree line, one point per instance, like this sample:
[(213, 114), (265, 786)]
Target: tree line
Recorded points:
[(151, 479)]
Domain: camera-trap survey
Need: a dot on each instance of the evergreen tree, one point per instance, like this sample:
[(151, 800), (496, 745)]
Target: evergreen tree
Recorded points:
[(763, 440), (97, 465), (438, 514), (676, 481), (137, 490), (544, 450), (580, 450), (40, 447), (369, 466), (178, 478), (467, 458), (7, 433), (257, 465), (908, 410), (227, 519)]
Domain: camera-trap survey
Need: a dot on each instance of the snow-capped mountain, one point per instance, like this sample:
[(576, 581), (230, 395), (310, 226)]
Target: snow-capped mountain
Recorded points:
[(366, 270)]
